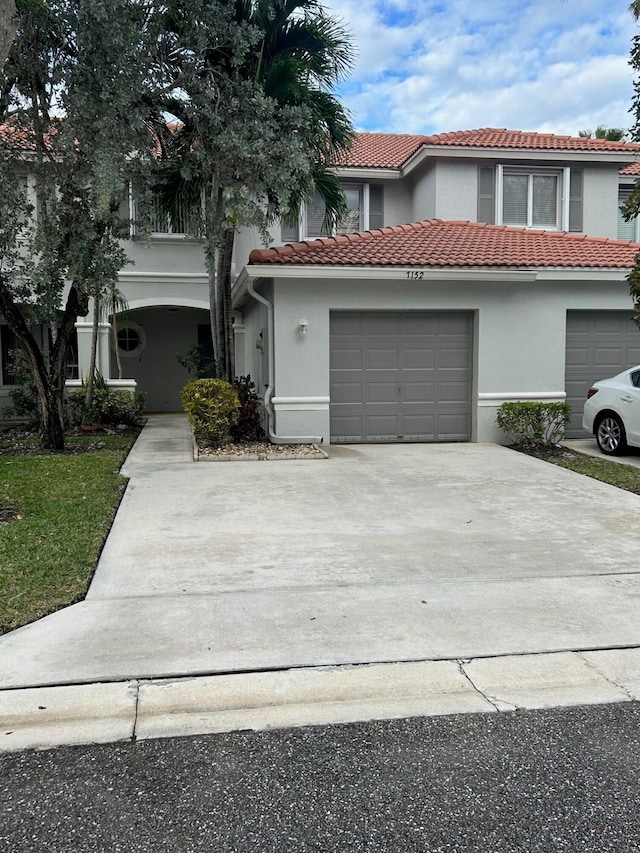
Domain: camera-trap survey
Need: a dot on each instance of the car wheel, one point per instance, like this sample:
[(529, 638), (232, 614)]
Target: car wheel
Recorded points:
[(610, 435)]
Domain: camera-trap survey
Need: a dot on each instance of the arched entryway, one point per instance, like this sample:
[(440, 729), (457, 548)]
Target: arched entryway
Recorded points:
[(149, 343)]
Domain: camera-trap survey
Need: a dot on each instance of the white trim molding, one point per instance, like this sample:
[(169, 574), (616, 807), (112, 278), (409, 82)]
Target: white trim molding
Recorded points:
[(492, 398), (300, 404)]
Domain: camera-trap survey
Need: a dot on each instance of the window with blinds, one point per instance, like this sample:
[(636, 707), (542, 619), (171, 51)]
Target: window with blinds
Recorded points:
[(365, 211), (530, 200), (626, 230)]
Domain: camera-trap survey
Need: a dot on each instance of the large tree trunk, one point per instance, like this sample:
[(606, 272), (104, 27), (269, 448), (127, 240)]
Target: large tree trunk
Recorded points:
[(213, 202), (219, 256), (49, 381), (224, 297)]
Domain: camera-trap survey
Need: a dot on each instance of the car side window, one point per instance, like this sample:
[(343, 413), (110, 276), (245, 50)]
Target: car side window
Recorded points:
[(635, 378)]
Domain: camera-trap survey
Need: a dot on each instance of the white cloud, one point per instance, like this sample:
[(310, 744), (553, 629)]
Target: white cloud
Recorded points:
[(558, 65)]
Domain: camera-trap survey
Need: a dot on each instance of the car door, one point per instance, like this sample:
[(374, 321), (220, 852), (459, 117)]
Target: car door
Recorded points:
[(630, 407)]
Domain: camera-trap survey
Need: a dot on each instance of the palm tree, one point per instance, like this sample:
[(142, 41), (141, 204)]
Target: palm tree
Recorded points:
[(613, 134), (301, 54)]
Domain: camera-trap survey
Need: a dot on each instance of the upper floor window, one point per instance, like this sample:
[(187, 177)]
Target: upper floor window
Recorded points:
[(365, 211), (149, 217), (530, 197), (627, 230)]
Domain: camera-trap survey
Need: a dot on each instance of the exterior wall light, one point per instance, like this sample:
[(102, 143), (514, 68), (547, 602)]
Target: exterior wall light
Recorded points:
[(303, 326)]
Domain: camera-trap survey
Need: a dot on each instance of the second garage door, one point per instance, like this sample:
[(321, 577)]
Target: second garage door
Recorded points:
[(599, 344), (401, 376)]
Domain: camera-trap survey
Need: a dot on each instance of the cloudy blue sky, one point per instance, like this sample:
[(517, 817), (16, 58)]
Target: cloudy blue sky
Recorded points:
[(428, 66)]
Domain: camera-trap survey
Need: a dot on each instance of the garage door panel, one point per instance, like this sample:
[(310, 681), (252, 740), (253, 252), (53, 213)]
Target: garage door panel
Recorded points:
[(454, 358), (381, 392), (348, 392), (419, 358), (452, 324), (381, 358), (347, 324), (419, 325), (577, 356), (380, 426), (418, 392), (383, 325), (599, 344), (452, 392), (453, 427), (347, 359), (348, 429), (416, 370)]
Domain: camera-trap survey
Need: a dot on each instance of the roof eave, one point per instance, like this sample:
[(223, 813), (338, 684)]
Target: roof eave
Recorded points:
[(368, 173), (425, 152), (430, 273)]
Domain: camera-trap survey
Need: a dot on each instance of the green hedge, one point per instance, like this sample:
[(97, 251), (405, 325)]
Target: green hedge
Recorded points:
[(530, 424), (212, 407)]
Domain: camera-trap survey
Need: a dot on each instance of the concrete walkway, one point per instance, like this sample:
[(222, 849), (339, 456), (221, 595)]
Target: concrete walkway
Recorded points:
[(384, 581)]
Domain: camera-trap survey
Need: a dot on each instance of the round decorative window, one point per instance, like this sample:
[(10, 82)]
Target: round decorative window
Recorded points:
[(131, 339)]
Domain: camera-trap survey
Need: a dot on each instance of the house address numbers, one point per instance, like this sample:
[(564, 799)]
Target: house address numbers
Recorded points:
[(415, 275)]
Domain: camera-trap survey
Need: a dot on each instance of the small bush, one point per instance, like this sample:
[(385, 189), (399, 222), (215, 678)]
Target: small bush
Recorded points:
[(121, 407), (248, 427), (24, 397), (212, 407), (108, 408), (530, 424)]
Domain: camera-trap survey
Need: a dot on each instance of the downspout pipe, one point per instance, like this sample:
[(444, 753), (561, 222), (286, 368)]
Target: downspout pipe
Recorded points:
[(268, 394)]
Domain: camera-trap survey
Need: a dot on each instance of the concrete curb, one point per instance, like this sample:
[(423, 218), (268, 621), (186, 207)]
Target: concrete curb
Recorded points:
[(40, 718)]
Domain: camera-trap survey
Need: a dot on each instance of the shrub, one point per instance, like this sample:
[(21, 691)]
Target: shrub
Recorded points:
[(121, 407), (196, 363), (108, 408), (24, 397), (248, 427), (212, 407), (531, 424)]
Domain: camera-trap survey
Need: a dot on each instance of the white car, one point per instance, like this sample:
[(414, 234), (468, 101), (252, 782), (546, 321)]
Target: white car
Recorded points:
[(612, 412)]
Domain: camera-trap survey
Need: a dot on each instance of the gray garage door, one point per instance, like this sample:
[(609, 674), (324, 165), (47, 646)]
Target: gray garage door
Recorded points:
[(401, 376), (599, 344)]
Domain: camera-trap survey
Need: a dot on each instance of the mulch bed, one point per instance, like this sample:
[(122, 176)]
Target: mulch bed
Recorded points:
[(258, 451), (22, 442)]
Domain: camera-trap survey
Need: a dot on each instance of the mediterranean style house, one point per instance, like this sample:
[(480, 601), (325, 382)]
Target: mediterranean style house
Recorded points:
[(474, 267)]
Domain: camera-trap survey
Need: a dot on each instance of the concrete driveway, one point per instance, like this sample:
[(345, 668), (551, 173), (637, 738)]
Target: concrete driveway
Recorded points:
[(377, 554)]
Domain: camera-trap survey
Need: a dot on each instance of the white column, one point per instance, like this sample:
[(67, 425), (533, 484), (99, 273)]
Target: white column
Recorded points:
[(103, 350)]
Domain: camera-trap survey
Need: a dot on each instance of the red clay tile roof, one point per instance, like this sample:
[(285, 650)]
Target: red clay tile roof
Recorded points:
[(492, 137), (380, 150), (21, 136), (633, 169), (392, 150), (436, 243)]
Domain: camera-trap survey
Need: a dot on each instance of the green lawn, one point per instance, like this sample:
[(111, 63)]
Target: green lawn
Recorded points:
[(56, 512), (623, 476)]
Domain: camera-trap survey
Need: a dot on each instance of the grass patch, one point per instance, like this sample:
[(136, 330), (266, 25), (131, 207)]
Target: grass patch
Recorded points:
[(58, 509), (623, 476)]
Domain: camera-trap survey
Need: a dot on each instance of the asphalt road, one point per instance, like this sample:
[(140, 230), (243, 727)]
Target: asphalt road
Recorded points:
[(551, 781)]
